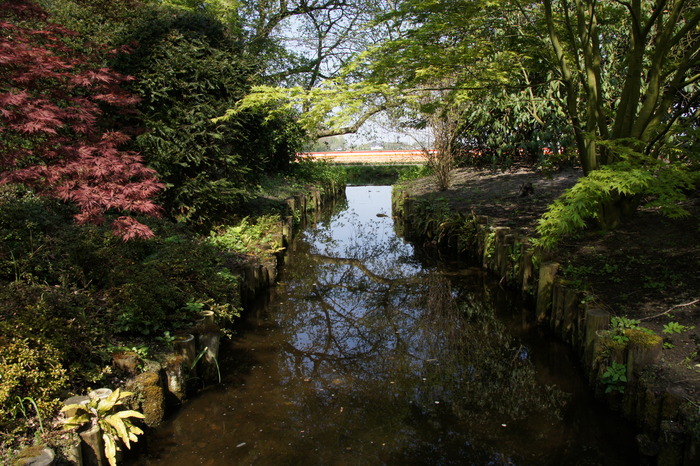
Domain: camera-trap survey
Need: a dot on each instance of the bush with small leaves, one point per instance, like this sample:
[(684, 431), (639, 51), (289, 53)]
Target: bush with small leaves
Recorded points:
[(29, 368)]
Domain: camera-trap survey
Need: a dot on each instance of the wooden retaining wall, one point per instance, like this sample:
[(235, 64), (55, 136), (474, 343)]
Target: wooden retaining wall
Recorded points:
[(669, 431), (302, 209)]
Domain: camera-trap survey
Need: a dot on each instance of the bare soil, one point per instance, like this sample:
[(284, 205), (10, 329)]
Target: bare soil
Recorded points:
[(647, 269)]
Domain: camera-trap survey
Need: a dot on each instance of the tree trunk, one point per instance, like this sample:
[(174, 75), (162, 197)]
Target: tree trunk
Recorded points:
[(617, 210)]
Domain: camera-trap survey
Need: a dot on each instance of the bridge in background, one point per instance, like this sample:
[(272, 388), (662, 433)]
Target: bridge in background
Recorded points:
[(370, 156)]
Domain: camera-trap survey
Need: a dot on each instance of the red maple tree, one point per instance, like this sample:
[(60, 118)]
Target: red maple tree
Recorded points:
[(57, 131)]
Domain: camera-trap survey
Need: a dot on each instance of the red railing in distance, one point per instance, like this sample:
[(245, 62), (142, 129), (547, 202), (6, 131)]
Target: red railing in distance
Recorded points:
[(415, 155)]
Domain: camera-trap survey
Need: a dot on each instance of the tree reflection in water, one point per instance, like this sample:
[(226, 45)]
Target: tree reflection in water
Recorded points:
[(389, 345), (365, 357)]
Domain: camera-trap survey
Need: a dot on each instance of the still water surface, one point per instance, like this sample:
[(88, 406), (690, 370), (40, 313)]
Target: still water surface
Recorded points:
[(366, 355)]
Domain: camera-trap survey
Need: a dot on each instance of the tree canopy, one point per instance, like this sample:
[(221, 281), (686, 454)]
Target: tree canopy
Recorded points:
[(613, 84), (617, 84)]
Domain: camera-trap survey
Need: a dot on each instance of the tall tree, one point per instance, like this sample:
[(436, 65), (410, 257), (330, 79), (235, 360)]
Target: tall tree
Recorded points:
[(629, 74), (295, 42), (57, 132), (630, 71), (625, 73)]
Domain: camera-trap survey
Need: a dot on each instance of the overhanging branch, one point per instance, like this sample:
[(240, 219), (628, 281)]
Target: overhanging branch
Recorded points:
[(355, 127)]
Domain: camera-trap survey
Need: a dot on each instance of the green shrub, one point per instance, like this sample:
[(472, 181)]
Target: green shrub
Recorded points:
[(56, 314), (29, 368), (414, 172), (317, 172), (189, 71), (247, 237), (27, 222), (148, 294)]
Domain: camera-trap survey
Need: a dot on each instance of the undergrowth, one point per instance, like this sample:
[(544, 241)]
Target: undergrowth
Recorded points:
[(71, 295)]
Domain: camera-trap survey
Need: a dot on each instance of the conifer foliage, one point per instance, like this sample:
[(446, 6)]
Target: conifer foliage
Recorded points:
[(59, 131)]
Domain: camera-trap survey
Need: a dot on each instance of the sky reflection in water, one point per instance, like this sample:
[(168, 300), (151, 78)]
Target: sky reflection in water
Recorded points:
[(365, 357)]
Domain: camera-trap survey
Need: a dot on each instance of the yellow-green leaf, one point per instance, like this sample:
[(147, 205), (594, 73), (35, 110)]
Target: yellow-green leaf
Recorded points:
[(110, 449), (80, 407), (77, 421), (116, 422), (129, 413)]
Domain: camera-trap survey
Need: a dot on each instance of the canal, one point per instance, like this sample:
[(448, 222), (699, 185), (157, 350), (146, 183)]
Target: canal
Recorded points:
[(366, 354)]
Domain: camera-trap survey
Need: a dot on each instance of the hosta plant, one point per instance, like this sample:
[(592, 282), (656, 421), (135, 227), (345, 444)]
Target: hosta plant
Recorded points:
[(115, 424)]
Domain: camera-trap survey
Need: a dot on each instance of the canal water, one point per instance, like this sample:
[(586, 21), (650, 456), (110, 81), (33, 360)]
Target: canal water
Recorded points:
[(366, 355)]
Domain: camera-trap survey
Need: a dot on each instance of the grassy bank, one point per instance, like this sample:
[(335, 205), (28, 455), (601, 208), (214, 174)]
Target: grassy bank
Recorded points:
[(385, 174)]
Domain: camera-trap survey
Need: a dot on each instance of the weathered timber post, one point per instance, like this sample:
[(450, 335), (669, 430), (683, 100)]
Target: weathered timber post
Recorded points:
[(209, 340), (176, 375), (185, 346), (291, 205), (480, 241), (671, 443), (596, 319), (651, 413), (126, 362), (643, 350), (571, 329), (507, 266), (73, 452), (500, 251), (287, 230), (526, 270), (300, 205), (556, 314), (548, 272), (93, 447), (270, 268), (489, 254)]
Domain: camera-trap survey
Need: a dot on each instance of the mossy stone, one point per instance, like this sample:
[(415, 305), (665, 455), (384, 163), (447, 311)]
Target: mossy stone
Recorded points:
[(153, 405), (38, 455), (151, 395)]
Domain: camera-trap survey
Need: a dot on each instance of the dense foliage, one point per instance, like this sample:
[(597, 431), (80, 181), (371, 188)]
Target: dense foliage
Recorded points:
[(74, 129), (612, 85), (55, 118), (189, 68), (59, 280)]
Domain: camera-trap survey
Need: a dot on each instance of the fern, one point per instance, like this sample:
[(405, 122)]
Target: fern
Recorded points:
[(661, 183)]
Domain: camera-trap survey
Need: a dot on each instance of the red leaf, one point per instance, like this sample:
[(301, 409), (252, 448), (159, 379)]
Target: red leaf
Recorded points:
[(51, 87), (128, 228)]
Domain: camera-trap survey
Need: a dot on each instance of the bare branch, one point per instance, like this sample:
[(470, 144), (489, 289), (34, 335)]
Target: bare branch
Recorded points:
[(671, 309)]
